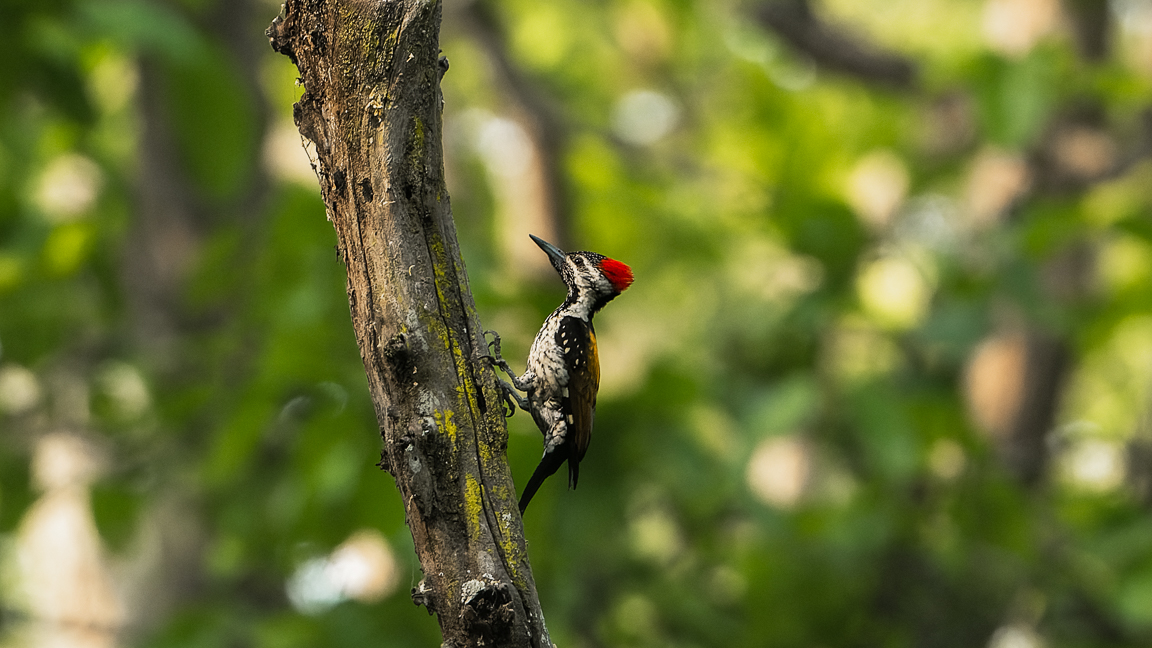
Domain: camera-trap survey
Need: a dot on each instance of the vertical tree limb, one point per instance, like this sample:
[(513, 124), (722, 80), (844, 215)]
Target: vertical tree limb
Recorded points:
[(372, 106)]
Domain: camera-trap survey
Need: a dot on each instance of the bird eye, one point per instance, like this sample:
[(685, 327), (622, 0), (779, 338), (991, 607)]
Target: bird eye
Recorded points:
[(578, 261)]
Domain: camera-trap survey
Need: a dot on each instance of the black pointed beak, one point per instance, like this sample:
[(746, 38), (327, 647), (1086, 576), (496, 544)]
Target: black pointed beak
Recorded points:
[(555, 254)]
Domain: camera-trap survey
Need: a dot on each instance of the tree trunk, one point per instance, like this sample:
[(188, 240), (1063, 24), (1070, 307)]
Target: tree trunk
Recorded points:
[(372, 107)]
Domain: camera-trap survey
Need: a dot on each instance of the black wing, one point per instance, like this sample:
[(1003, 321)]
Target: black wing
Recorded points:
[(578, 340)]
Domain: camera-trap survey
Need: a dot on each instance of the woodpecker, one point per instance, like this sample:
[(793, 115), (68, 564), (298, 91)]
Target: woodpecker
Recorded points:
[(563, 373)]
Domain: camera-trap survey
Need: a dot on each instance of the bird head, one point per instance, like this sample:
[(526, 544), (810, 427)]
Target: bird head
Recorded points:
[(588, 273)]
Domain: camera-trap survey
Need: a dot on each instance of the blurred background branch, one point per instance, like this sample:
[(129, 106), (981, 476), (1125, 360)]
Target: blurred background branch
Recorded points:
[(541, 115), (835, 47)]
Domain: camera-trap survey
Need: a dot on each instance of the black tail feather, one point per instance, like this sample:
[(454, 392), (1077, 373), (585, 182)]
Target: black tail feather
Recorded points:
[(573, 472), (548, 466)]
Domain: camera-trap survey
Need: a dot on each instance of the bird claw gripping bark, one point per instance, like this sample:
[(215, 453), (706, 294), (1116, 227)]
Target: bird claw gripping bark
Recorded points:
[(493, 355), (511, 397), (508, 399)]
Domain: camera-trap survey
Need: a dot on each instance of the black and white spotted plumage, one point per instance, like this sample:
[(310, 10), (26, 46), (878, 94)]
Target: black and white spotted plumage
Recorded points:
[(563, 373)]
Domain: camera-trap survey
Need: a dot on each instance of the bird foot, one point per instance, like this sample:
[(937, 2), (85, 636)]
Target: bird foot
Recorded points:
[(511, 397), (494, 348)]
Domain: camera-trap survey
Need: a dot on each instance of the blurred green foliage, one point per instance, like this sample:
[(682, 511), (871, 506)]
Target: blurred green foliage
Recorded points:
[(806, 433)]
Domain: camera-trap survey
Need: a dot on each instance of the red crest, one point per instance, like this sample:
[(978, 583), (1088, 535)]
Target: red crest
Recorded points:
[(618, 274)]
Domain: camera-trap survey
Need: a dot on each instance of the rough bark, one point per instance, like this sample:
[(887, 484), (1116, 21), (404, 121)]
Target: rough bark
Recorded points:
[(372, 107)]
